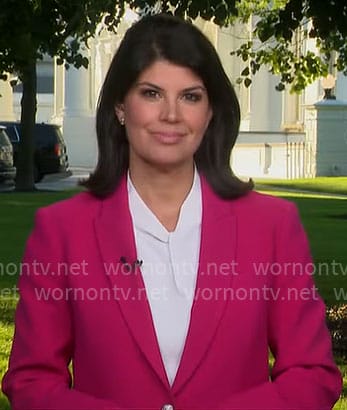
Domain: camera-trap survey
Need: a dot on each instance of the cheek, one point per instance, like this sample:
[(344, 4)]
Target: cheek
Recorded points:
[(201, 121), (137, 114), (201, 114)]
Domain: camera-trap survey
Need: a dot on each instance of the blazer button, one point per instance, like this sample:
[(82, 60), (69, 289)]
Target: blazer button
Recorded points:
[(168, 407)]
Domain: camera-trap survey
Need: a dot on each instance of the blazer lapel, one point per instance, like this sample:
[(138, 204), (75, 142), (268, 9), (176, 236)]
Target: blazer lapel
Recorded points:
[(215, 273), (114, 232)]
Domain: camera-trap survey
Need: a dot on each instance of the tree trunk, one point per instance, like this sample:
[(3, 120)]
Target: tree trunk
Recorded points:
[(25, 161)]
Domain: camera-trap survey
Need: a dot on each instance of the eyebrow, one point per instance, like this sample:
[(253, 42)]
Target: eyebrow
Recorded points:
[(156, 87)]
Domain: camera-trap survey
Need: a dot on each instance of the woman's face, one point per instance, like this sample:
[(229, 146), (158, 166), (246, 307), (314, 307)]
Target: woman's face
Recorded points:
[(166, 114)]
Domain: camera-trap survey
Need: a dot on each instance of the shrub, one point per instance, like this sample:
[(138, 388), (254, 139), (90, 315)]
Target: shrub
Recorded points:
[(337, 324)]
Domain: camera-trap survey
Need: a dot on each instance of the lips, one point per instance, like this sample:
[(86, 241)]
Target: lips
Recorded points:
[(168, 137)]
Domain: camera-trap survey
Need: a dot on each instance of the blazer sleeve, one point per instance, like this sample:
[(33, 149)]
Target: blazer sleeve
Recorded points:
[(38, 376), (304, 375)]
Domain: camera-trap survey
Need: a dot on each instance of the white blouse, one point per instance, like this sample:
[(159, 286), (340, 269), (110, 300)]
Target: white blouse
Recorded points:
[(169, 269)]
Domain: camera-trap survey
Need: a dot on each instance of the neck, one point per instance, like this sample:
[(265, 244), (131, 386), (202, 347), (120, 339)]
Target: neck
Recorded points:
[(169, 185), (163, 191)]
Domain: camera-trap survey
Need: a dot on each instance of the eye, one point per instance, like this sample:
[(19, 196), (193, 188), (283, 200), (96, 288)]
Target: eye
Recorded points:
[(192, 97), (150, 93)]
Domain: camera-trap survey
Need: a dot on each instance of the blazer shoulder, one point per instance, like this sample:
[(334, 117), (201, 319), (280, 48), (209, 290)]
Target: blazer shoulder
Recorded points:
[(78, 206), (264, 205)]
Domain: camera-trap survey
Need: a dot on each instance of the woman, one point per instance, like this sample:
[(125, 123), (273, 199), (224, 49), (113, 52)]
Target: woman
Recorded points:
[(158, 284)]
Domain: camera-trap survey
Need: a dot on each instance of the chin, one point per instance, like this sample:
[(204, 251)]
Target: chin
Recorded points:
[(170, 164)]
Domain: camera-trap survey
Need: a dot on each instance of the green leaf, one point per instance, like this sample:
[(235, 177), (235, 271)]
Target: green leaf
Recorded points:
[(245, 71), (247, 82), (280, 87)]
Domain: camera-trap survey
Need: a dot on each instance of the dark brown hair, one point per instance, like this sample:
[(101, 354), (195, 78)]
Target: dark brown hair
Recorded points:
[(165, 37)]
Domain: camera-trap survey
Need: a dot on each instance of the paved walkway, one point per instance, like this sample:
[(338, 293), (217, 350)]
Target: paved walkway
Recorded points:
[(56, 182)]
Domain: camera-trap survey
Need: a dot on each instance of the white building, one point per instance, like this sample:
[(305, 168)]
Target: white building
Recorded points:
[(282, 135)]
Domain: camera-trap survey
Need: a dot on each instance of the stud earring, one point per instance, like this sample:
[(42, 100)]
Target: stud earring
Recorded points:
[(122, 120)]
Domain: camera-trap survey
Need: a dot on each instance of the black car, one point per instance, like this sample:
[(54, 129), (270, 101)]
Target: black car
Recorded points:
[(7, 170), (50, 154)]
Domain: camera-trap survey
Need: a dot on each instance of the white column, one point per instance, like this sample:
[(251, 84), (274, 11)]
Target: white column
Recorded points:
[(77, 92), (341, 87), (79, 118), (229, 39), (102, 52), (59, 90), (266, 103), (6, 101), (313, 92), (293, 114), (209, 29)]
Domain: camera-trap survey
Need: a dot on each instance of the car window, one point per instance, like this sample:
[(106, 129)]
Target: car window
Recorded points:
[(12, 133), (44, 135), (59, 135), (3, 138)]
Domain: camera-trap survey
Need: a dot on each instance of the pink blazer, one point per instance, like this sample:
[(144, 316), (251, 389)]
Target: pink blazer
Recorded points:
[(252, 295)]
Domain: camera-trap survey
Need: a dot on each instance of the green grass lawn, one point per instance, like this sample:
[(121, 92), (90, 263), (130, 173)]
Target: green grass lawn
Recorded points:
[(335, 185), (325, 220), (17, 212), (7, 307)]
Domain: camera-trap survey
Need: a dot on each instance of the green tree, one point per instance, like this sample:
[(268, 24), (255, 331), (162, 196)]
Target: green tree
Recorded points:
[(279, 34), (31, 28)]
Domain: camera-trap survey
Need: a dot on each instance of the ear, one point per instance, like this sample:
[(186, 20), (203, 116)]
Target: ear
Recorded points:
[(119, 110), (209, 115)]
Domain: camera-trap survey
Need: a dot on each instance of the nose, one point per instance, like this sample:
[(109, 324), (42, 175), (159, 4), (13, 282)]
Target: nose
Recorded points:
[(170, 110)]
